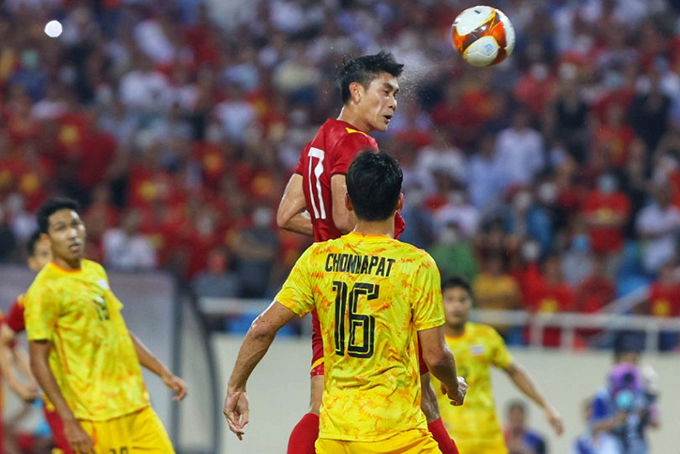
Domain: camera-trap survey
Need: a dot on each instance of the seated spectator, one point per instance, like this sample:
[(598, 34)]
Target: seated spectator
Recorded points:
[(255, 249), (577, 260), (454, 254), (495, 289), (606, 210), (520, 149), (594, 292), (126, 248), (519, 438), (217, 280), (658, 225), (664, 302), (552, 295), (529, 218)]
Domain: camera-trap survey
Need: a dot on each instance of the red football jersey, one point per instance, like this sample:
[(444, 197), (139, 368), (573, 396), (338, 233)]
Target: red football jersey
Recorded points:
[(15, 317), (329, 153)]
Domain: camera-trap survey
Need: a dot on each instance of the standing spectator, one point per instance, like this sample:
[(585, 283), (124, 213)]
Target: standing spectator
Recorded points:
[(520, 438), (255, 249), (658, 225), (520, 149), (605, 211), (217, 280), (486, 177), (649, 113)]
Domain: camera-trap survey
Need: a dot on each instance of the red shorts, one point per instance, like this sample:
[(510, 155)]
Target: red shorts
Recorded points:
[(317, 346), (317, 350), (57, 427)]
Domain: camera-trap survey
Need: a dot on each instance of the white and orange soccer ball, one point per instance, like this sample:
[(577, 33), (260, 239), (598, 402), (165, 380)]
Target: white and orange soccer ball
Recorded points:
[(483, 35)]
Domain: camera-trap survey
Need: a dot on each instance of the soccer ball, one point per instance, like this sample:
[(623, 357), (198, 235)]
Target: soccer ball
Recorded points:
[(483, 35)]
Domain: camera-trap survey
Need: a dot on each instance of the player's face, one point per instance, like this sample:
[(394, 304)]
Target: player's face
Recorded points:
[(457, 305), (41, 256), (379, 101), (67, 235)]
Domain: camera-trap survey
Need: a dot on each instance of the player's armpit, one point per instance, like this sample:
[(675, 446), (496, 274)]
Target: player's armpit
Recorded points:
[(291, 214), (343, 219)]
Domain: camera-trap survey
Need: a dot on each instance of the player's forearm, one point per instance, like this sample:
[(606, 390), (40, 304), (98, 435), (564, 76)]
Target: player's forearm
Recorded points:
[(523, 381), (300, 223), (7, 368), (255, 346), (429, 403), (444, 368), (147, 359), (43, 374), (22, 362)]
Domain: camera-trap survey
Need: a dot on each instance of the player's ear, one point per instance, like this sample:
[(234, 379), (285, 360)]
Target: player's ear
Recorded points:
[(400, 202), (348, 203), (356, 90), (44, 237)]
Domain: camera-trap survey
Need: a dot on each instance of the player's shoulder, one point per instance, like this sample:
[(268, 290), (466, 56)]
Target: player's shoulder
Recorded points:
[(91, 266), (482, 330), (415, 254), (343, 135)]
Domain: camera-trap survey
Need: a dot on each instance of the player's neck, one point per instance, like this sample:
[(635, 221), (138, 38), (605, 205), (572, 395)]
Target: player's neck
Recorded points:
[(349, 115), (385, 228), (70, 265), (454, 331)]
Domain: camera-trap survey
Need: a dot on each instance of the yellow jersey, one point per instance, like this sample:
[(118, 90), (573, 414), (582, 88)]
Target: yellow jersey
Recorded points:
[(475, 423), (372, 294), (92, 356)]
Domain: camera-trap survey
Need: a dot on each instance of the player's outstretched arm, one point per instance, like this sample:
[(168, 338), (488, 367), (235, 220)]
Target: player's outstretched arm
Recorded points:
[(150, 362), (291, 214), (441, 364), (9, 361), (255, 345), (525, 384), (79, 440)]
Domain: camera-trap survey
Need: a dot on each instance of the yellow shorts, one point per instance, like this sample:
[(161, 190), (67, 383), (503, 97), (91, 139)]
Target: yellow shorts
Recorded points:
[(416, 441), (136, 432)]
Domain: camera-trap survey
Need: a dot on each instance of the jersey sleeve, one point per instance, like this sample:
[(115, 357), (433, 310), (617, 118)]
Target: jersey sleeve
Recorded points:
[(426, 296), (15, 317), (296, 293), (500, 355), (346, 150), (42, 312)]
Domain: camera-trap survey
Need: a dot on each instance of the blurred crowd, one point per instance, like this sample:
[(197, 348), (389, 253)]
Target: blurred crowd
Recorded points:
[(552, 181)]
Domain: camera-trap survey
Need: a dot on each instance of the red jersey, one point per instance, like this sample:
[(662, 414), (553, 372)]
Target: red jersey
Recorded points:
[(15, 317), (664, 300), (329, 153)]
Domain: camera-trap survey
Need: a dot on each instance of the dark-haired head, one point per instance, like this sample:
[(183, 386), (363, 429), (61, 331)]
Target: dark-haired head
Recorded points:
[(374, 185), (39, 251), (59, 220), (364, 69), (52, 206), (456, 282), (457, 300)]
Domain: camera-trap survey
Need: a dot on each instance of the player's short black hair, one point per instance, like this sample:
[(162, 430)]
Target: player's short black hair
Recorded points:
[(457, 282), (52, 206), (32, 241), (364, 69), (374, 185)]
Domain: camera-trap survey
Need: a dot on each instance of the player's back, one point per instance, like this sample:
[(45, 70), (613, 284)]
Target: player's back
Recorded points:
[(329, 153), (373, 294)]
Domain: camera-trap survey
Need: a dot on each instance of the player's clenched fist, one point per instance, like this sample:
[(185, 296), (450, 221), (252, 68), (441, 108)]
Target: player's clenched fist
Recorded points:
[(457, 396)]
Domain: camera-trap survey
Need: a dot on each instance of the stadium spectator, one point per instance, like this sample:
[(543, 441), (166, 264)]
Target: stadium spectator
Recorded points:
[(518, 436), (664, 302), (217, 280), (658, 226), (126, 248), (453, 253)]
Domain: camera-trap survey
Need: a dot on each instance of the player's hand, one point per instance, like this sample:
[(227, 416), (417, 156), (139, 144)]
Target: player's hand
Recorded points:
[(555, 420), (457, 396), (79, 440), (176, 384), (28, 392), (236, 410)]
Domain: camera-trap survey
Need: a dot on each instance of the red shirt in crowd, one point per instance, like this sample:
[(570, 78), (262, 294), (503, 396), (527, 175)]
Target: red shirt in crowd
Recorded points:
[(600, 207), (664, 300)]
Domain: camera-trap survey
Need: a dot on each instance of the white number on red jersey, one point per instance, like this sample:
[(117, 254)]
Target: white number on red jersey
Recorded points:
[(315, 173)]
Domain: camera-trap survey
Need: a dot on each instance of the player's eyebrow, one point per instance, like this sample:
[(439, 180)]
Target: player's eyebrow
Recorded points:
[(391, 87)]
